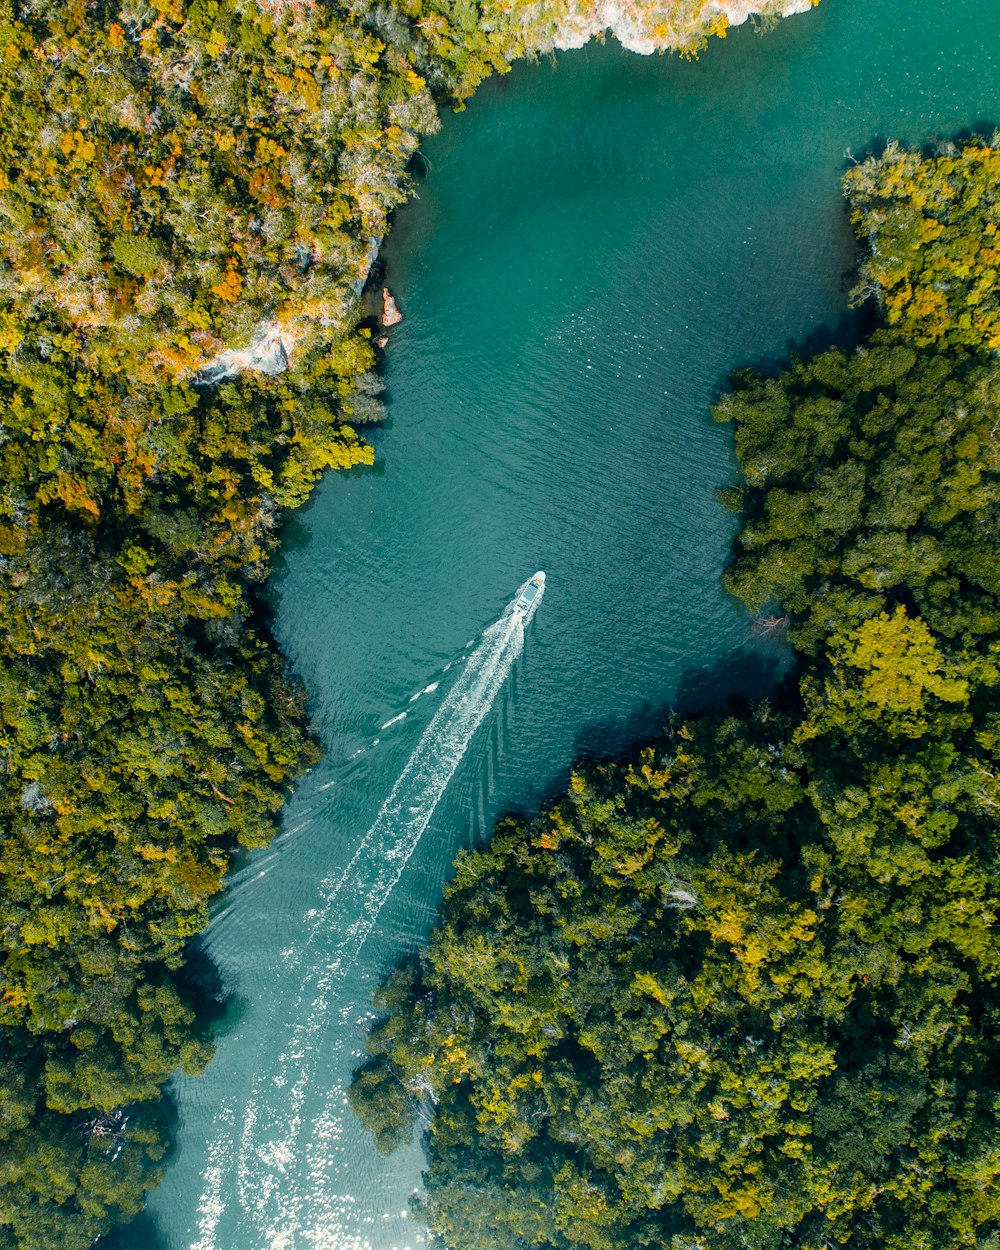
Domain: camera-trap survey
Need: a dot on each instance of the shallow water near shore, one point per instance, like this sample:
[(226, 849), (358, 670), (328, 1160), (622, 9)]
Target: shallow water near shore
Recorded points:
[(597, 243)]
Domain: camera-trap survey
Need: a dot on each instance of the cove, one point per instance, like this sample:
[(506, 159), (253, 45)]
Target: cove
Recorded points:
[(597, 243)]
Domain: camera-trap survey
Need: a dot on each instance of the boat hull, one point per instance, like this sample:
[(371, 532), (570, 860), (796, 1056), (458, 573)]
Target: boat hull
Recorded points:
[(530, 593)]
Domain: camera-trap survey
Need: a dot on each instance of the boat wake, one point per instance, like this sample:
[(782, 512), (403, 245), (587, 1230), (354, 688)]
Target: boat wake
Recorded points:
[(283, 1159)]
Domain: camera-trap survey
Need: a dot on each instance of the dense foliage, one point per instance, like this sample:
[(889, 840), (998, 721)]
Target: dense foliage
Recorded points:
[(933, 227), (871, 477), (742, 993), (192, 193)]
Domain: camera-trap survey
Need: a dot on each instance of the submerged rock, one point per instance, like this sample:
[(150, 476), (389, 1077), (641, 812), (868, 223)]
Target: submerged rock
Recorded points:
[(391, 316)]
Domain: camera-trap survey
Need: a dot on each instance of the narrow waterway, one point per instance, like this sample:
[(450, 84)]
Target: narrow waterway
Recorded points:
[(598, 241)]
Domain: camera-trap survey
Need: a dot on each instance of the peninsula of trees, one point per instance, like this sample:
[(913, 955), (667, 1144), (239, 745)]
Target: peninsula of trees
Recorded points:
[(192, 193), (741, 992)]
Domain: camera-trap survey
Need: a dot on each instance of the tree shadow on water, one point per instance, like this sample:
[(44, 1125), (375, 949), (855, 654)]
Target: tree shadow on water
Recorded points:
[(142, 1233), (217, 1009), (846, 335), (743, 676)]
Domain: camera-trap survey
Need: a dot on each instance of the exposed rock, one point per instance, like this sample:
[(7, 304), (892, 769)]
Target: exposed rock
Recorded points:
[(33, 800), (391, 316), (365, 265), (268, 354), (645, 27), (305, 258), (382, 340)]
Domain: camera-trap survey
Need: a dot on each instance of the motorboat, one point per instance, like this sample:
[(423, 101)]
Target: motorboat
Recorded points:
[(529, 594)]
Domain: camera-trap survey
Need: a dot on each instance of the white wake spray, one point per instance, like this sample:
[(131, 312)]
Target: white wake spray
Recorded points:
[(283, 1161)]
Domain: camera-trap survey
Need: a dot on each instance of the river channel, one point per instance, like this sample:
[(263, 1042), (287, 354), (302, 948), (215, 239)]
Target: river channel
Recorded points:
[(595, 244)]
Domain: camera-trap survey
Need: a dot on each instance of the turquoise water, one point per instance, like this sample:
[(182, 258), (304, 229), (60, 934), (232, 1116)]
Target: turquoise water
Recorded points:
[(597, 243)]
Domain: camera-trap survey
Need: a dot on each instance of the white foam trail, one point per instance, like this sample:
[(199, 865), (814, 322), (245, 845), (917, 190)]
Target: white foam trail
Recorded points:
[(416, 793), (319, 804), (389, 844), (276, 1138)]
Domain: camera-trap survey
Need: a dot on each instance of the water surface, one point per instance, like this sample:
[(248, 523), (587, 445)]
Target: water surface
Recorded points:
[(598, 242)]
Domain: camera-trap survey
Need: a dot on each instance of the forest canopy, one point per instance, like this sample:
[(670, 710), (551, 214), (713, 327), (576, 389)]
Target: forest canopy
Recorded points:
[(741, 991)]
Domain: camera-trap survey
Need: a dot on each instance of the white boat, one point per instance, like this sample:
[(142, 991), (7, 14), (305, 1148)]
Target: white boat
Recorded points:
[(529, 594)]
